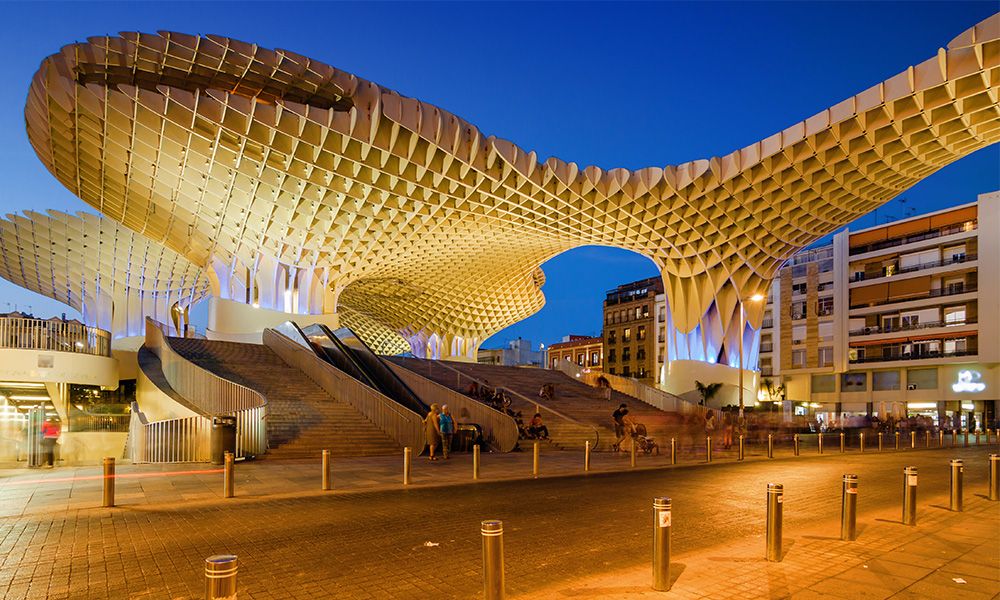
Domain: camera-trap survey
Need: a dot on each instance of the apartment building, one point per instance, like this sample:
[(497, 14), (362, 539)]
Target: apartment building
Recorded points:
[(582, 350), (634, 329), (901, 318)]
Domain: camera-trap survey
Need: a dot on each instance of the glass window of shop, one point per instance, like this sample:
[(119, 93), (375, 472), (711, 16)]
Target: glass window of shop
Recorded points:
[(885, 381), (854, 382), (824, 384), (922, 379)]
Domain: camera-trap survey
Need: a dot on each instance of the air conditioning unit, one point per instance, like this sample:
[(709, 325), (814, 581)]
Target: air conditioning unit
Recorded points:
[(911, 386)]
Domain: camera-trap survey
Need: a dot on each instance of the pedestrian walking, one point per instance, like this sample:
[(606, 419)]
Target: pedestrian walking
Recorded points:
[(432, 430), (50, 435), (618, 417), (446, 423)]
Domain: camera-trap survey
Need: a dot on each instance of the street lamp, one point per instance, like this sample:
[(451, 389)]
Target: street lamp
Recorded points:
[(743, 318)]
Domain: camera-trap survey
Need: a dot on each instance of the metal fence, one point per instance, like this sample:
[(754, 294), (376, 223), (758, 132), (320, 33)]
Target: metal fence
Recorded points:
[(648, 394), (185, 439)]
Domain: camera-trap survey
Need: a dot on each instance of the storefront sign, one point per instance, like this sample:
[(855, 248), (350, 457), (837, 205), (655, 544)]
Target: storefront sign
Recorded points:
[(968, 381)]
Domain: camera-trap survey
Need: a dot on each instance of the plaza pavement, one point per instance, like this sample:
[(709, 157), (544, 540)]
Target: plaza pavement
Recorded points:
[(569, 535)]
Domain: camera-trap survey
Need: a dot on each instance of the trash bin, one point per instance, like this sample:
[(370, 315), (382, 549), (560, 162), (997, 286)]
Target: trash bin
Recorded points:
[(223, 438), (466, 436)]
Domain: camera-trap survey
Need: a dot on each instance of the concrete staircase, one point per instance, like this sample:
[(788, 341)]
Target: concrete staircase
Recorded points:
[(577, 400), (302, 419)]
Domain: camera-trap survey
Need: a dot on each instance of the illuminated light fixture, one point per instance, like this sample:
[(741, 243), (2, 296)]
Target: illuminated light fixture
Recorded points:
[(30, 398), (756, 297), (19, 384), (921, 405), (968, 406), (79, 344), (968, 381)]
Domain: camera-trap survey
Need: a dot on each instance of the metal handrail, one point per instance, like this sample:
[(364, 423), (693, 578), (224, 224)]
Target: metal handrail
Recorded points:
[(875, 329), (185, 439), (393, 419), (23, 333), (933, 293), (539, 407), (650, 395), (499, 429), (944, 262), (210, 394)]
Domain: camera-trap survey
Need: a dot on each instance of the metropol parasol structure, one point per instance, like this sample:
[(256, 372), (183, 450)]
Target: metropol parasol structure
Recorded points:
[(279, 187)]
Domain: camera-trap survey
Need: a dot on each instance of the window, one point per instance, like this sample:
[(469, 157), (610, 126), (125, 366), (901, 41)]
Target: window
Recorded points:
[(626, 371), (663, 315), (611, 370), (825, 331), (954, 315), (765, 367), (595, 359), (858, 276), (826, 266), (921, 379), (824, 286), (611, 355), (626, 354), (640, 354), (799, 334), (856, 354), (954, 253), (627, 335), (798, 310), (824, 306), (890, 322), (579, 359), (825, 356), (611, 337), (640, 333), (955, 346), (645, 311), (909, 321), (824, 384), (641, 373), (555, 361), (799, 271), (885, 380), (798, 359), (798, 288), (954, 286), (608, 318), (854, 382)]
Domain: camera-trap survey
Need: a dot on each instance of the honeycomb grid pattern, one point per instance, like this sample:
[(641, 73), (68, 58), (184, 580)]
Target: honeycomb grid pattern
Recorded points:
[(225, 151)]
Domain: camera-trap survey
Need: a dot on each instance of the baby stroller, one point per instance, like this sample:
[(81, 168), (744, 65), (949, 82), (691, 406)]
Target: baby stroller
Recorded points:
[(644, 442)]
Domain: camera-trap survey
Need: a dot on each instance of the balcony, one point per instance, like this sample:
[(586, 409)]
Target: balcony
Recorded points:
[(910, 327), (912, 356), (909, 239), (767, 347), (952, 290), (767, 324), (55, 335), (955, 260)]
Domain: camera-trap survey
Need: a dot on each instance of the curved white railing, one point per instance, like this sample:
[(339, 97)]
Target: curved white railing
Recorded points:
[(22, 333), (184, 439), (396, 421), (499, 429), (650, 395), (212, 395)]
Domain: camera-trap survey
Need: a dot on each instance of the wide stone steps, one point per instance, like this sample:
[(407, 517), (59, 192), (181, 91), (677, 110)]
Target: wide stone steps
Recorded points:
[(302, 418)]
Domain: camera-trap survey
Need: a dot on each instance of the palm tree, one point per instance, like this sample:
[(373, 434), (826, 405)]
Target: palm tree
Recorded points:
[(707, 391), (774, 392)]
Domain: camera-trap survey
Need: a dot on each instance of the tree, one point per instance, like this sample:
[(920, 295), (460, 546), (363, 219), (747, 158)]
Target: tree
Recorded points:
[(774, 393), (707, 391)]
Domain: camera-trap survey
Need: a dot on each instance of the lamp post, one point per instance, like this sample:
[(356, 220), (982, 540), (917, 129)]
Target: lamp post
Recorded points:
[(743, 325)]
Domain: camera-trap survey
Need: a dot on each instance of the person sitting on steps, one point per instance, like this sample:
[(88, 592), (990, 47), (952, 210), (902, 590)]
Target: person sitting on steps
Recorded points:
[(619, 418), (538, 429)]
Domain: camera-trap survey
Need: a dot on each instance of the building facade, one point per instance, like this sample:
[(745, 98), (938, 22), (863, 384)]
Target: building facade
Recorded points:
[(517, 353), (901, 319), (634, 329), (581, 350)]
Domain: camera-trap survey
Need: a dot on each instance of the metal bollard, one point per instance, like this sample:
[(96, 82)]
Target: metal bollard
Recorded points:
[(880, 436), (661, 544), (228, 479), (327, 481), (913, 440), (109, 481), (956, 485), (909, 496), (994, 477), (407, 459), (842, 442), (954, 438), (795, 444), (673, 451), (819, 436), (631, 454), (966, 437), (708, 448), (861, 441), (740, 454), (535, 460), (941, 438), (775, 495), (927, 438), (220, 577), (849, 509), (493, 584), (475, 460), (586, 457), (897, 440), (977, 437), (770, 446)]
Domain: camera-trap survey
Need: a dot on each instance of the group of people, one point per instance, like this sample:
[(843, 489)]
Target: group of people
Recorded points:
[(495, 398), (439, 430)]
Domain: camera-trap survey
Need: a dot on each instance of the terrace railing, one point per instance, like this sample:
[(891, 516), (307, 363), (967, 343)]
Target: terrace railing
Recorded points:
[(21, 333)]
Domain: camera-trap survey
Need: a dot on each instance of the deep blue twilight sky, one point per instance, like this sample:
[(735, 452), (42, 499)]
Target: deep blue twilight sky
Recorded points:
[(616, 85)]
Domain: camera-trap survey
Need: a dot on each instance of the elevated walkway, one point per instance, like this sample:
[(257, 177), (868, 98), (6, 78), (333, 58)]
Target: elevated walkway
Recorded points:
[(302, 418)]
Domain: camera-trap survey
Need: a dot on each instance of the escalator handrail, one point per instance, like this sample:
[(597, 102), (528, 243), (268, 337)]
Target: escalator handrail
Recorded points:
[(421, 407)]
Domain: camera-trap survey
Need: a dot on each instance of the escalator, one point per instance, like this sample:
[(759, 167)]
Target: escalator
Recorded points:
[(345, 350)]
